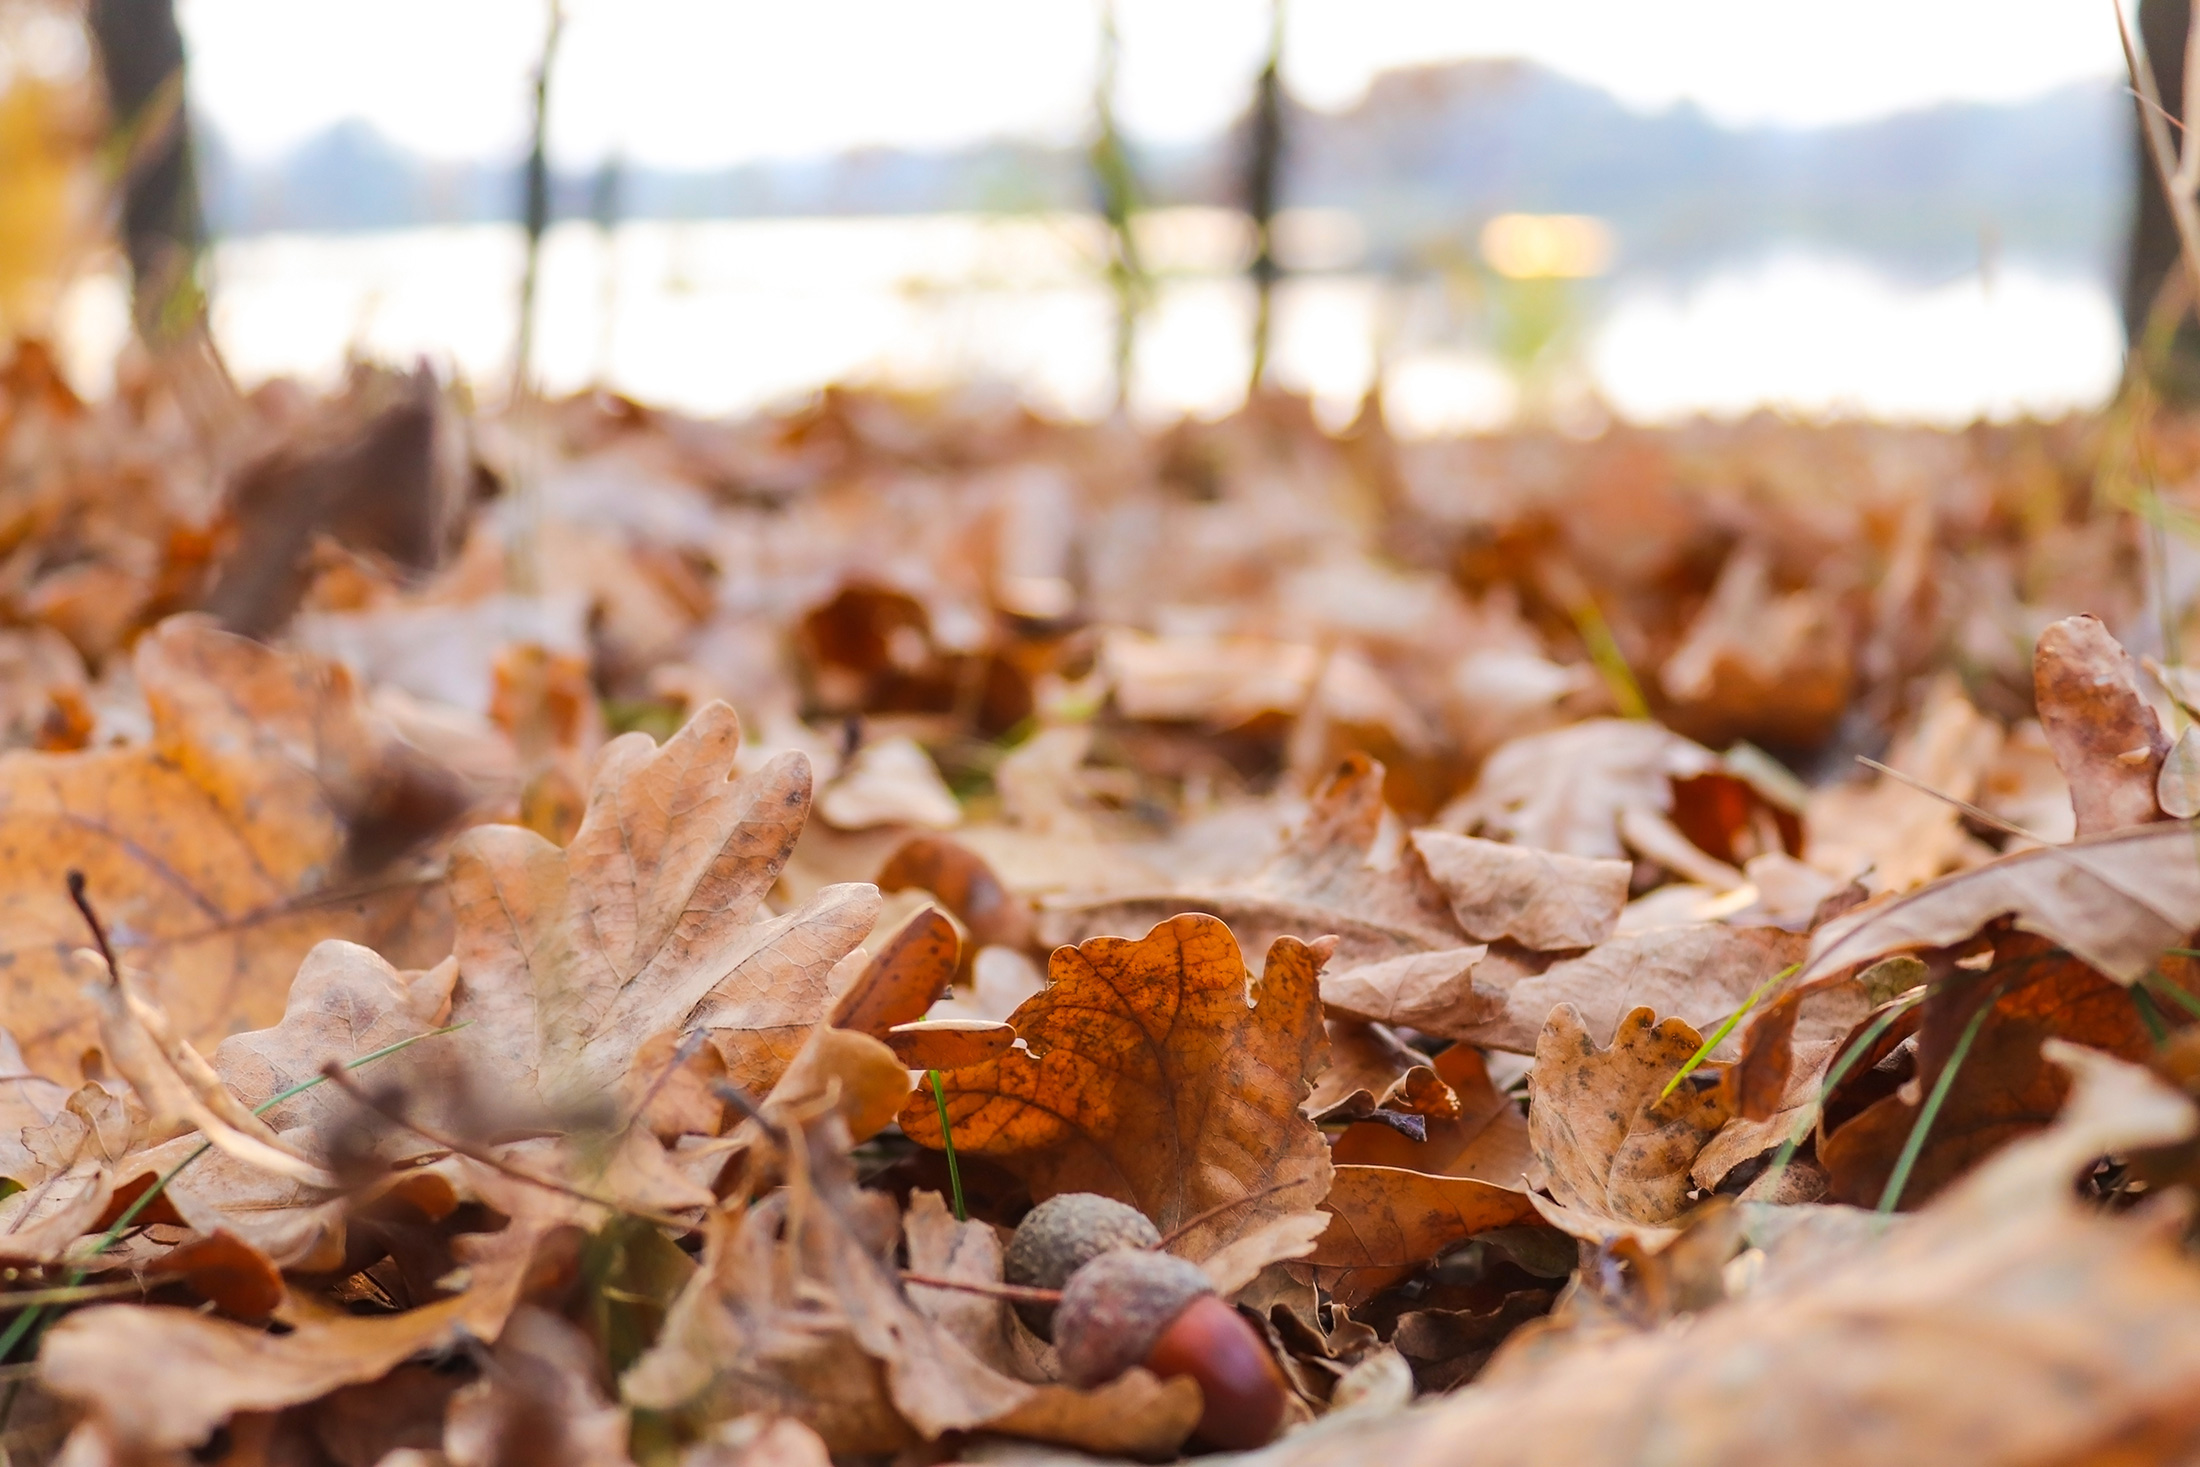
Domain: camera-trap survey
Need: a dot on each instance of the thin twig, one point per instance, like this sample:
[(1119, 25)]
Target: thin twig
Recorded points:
[(91, 920), (1014, 1293), (1219, 1208), (680, 1056), (334, 1074), (1983, 816)]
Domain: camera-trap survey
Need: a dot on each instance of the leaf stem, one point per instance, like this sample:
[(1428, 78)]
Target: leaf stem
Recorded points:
[(947, 1142)]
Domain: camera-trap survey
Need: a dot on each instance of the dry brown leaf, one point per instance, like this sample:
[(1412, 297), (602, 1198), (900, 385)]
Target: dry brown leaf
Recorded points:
[(1324, 881), (2107, 741), (2006, 1324), (219, 852), (1605, 1140), (965, 885), (2118, 901), (949, 1044), (909, 973), (181, 1091), (1698, 973), (2004, 1089), (1370, 1068), (1151, 1078), (651, 919), (1901, 835), (161, 1379), (1486, 1139), (540, 1401), (1385, 1222), (1571, 790), (1544, 900), (891, 782), (794, 1293), (1759, 664)]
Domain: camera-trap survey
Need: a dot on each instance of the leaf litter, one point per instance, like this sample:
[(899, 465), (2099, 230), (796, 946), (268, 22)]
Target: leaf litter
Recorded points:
[(530, 1007)]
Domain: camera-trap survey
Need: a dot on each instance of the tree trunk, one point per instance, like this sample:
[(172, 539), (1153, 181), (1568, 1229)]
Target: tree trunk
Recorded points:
[(2153, 245), (141, 58)]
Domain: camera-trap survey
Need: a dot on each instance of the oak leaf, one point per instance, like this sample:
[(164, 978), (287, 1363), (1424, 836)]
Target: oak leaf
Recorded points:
[(1386, 1221), (2118, 901), (1605, 1139), (2007, 1323), (1150, 1076), (798, 1310), (2107, 741), (653, 918), (221, 850), (162, 1378)]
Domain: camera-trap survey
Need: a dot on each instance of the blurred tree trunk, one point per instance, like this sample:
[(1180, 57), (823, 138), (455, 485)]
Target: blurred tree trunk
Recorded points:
[(1263, 176), (2163, 25), (163, 230), (1115, 179)]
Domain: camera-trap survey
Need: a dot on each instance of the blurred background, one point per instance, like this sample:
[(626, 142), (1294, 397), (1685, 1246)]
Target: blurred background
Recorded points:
[(1907, 209)]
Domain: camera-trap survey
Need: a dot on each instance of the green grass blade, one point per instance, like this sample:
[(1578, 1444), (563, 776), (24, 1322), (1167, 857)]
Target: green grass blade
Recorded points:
[(1718, 1035), (947, 1143), (25, 1322), (1914, 1146), (1834, 1076)]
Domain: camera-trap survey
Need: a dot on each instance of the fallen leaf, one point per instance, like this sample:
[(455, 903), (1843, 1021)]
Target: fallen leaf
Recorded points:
[(2118, 901), (906, 977), (651, 919), (1151, 1076), (891, 782), (1370, 1068), (1699, 973), (964, 884), (2006, 1324), (1605, 1140), (220, 851), (1760, 664), (1543, 900), (1571, 790), (539, 1402), (2004, 1089), (949, 1044), (2107, 741), (805, 1281), (1324, 882), (161, 1378), (1487, 1138), (1385, 1222)]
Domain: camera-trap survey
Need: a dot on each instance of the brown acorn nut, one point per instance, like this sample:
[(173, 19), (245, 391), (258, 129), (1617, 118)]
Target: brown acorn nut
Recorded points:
[(1136, 1308), (1060, 1236)]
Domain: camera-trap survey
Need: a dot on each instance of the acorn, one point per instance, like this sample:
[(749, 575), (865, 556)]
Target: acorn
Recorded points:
[(1132, 1307), (1060, 1236)]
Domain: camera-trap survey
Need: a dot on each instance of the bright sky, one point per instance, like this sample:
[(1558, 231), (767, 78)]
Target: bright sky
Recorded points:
[(703, 82)]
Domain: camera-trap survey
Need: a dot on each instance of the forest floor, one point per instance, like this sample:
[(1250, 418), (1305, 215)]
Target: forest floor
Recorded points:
[(578, 935)]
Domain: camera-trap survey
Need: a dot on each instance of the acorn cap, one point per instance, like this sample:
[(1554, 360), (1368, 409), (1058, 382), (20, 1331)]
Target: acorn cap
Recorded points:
[(1115, 1308), (1060, 1236)]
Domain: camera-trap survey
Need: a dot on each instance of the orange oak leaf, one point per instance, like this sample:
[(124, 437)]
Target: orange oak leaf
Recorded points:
[(1386, 1221), (219, 851), (1150, 1076)]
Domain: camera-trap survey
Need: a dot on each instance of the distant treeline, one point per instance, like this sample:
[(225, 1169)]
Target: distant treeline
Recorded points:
[(1427, 155)]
